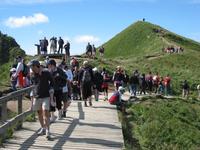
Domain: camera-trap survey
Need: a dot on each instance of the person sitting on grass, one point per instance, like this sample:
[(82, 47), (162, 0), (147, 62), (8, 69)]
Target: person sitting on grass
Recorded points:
[(116, 99)]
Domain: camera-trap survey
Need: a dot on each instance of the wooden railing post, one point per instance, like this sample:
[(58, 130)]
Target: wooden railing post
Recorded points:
[(4, 111), (19, 126)]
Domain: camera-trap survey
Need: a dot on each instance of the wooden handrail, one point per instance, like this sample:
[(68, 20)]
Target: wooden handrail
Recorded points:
[(10, 96), (13, 96)]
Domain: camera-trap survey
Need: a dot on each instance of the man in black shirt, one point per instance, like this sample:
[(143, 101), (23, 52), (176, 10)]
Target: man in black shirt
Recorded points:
[(60, 45), (60, 80), (42, 95)]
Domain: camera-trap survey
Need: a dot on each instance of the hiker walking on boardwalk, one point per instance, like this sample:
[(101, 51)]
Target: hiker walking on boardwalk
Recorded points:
[(118, 77), (42, 95), (98, 80), (86, 82), (75, 85), (67, 90), (60, 80), (60, 45), (106, 79)]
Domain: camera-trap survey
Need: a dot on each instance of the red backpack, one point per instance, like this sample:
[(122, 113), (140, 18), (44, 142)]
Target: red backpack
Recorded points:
[(114, 98)]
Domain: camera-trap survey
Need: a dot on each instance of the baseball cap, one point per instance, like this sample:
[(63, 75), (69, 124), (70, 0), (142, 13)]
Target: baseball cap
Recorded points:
[(34, 63), (52, 62)]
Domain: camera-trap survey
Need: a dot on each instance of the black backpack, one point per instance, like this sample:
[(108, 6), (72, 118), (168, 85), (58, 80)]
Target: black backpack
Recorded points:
[(25, 70), (86, 76)]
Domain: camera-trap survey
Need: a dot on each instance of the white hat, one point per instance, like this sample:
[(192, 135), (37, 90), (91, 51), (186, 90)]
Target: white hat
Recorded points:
[(85, 63), (121, 89), (13, 70), (95, 69)]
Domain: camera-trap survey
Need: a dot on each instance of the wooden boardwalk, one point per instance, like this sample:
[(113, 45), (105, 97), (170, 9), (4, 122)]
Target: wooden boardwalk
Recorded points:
[(85, 128)]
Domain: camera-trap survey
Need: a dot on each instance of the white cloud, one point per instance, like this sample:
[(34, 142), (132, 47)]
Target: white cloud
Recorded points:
[(86, 39), (17, 22), (16, 2)]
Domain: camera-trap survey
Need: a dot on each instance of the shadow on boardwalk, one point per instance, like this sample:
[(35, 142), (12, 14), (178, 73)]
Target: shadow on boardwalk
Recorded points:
[(60, 140)]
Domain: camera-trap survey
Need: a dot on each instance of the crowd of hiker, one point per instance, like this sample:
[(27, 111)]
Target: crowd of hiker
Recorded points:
[(173, 49), (56, 84)]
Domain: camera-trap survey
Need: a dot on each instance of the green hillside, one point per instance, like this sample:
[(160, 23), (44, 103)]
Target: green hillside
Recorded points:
[(143, 38), (9, 49)]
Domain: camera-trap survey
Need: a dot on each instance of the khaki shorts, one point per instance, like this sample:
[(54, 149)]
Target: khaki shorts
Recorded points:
[(41, 102)]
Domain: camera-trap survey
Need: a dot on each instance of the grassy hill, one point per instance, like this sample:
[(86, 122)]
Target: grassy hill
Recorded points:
[(143, 38), (9, 49)]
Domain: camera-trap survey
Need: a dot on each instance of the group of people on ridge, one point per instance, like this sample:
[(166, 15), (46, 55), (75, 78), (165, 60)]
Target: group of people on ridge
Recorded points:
[(56, 46)]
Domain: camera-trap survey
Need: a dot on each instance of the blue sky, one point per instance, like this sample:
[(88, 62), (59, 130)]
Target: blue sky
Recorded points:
[(95, 21)]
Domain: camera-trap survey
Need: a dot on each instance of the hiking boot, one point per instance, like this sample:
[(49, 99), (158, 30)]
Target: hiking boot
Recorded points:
[(52, 119), (41, 132), (47, 134), (64, 114)]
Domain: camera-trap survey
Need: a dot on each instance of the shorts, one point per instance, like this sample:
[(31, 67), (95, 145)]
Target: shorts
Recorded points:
[(65, 97), (41, 102)]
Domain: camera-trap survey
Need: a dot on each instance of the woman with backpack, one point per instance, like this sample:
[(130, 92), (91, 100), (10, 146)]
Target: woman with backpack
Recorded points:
[(105, 83), (86, 82)]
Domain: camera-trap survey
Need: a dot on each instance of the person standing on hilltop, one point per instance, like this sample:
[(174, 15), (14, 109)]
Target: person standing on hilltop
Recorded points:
[(89, 50), (93, 51), (67, 49), (53, 45), (60, 45), (101, 51), (46, 43)]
